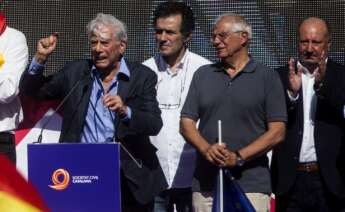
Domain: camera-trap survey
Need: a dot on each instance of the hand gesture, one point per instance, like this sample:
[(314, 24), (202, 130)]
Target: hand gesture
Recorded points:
[(45, 47), (321, 69), (115, 104), (231, 159), (216, 154), (295, 78)]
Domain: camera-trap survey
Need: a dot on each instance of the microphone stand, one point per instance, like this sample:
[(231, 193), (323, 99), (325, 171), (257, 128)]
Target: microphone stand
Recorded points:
[(221, 183), (39, 139), (140, 165)]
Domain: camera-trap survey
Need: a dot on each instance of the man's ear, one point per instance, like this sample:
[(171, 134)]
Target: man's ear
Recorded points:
[(244, 38), (123, 45)]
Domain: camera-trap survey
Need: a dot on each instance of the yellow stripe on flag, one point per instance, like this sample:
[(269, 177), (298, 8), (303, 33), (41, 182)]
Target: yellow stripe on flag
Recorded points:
[(2, 59), (10, 203)]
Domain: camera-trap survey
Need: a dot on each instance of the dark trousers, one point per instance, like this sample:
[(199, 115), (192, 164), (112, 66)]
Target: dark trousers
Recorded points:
[(180, 198), (136, 208), (8, 146), (309, 194), (128, 201)]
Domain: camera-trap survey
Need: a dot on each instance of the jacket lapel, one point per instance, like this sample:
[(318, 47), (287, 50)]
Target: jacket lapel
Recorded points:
[(84, 93), (123, 91)]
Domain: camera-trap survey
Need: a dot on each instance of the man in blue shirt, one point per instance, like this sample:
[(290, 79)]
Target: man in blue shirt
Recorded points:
[(108, 99)]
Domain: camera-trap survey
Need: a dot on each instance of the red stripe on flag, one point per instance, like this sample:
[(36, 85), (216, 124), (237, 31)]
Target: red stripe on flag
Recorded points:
[(3, 24), (14, 184)]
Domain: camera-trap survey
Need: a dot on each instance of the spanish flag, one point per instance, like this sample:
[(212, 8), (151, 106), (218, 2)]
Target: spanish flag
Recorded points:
[(3, 26), (16, 194)]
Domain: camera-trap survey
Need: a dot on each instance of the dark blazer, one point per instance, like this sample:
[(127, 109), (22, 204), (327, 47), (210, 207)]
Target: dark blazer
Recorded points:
[(329, 134), (138, 92)]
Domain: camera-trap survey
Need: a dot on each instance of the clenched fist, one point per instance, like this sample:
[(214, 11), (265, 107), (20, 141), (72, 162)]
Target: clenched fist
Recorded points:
[(45, 47)]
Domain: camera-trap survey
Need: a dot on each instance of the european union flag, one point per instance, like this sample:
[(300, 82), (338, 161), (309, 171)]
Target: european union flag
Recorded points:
[(233, 197)]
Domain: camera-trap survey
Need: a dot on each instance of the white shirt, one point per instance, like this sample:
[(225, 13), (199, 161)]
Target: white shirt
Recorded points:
[(14, 50), (176, 157), (307, 153)]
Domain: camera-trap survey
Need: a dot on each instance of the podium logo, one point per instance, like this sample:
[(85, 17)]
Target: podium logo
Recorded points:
[(60, 179)]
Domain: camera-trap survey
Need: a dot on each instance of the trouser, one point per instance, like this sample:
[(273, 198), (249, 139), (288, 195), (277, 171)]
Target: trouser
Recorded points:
[(8, 146), (175, 199), (128, 201), (202, 201), (309, 194)]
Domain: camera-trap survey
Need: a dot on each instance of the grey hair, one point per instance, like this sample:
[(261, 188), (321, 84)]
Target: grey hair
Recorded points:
[(108, 20), (239, 24)]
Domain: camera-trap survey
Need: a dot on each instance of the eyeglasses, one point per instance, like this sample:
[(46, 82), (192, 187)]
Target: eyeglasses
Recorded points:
[(175, 104), (222, 36), (170, 106)]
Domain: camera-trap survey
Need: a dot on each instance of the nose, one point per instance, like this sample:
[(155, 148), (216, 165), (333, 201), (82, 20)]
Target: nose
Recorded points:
[(162, 36), (98, 47), (215, 41), (310, 47)]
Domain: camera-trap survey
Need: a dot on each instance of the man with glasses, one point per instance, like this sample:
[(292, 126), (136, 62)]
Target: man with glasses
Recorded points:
[(174, 66), (249, 100)]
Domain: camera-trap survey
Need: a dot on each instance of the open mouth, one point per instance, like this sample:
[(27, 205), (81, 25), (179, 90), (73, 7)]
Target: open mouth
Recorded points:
[(99, 59)]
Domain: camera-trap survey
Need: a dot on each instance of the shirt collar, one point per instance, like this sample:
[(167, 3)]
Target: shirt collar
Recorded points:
[(248, 68), (163, 66), (124, 71)]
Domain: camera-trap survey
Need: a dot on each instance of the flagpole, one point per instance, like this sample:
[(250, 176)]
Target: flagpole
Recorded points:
[(221, 200)]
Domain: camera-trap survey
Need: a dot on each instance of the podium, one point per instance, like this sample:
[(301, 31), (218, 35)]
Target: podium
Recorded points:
[(76, 177)]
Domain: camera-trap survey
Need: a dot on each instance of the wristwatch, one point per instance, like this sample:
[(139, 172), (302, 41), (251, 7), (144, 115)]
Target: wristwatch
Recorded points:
[(239, 159)]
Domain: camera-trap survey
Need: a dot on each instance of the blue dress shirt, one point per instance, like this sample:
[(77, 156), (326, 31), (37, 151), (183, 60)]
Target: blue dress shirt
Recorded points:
[(100, 120)]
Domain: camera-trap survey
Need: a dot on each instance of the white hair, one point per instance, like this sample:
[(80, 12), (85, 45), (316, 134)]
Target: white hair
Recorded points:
[(107, 20), (239, 24)]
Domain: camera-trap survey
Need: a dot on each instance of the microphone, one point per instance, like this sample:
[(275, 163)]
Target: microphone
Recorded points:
[(39, 139)]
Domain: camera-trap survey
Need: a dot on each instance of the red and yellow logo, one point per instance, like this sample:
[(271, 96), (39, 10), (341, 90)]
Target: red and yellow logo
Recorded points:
[(60, 179)]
